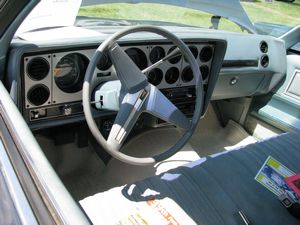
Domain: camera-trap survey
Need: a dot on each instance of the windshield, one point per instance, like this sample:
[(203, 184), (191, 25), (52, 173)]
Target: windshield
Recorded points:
[(273, 17), (156, 14), (268, 16), (252, 16)]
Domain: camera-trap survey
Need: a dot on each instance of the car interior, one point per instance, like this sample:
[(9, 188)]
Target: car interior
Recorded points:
[(176, 119)]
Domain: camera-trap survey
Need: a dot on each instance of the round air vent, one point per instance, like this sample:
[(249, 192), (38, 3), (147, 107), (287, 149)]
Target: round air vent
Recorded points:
[(206, 54), (155, 76), (263, 47), (204, 71), (264, 61), (187, 74), (38, 95), (172, 75), (38, 68)]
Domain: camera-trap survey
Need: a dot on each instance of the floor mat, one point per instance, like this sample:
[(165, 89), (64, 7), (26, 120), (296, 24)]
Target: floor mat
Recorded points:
[(84, 174), (210, 137), (78, 168), (147, 144)]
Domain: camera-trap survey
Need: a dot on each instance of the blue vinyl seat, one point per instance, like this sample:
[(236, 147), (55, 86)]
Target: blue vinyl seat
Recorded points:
[(214, 189)]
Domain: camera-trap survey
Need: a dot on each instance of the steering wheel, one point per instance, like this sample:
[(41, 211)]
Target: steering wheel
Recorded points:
[(137, 95)]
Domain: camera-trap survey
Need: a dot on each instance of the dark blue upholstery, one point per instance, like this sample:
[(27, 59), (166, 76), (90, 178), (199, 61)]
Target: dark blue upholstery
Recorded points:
[(214, 189)]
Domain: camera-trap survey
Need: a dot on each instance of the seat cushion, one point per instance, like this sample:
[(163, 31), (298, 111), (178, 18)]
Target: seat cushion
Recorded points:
[(211, 190)]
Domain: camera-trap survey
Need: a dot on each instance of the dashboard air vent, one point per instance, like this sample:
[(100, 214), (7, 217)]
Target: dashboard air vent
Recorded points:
[(38, 95), (38, 68), (264, 61), (263, 47)]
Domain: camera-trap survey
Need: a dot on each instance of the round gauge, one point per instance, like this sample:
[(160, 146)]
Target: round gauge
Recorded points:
[(194, 51), (104, 62), (156, 54), (69, 72), (138, 57), (175, 59), (206, 54), (155, 76), (204, 71), (172, 75), (187, 74)]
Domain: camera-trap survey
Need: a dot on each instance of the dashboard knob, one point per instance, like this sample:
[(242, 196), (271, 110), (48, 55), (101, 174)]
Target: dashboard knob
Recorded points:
[(234, 80), (107, 125), (67, 110)]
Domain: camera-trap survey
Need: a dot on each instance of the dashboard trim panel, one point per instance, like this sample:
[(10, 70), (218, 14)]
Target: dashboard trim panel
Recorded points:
[(217, 86)]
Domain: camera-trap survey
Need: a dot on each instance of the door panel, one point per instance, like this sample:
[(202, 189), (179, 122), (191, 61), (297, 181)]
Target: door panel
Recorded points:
[(282, 107)]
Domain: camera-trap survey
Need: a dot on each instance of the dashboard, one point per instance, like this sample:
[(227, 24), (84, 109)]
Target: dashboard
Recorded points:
[(51, 79), (48, 77)]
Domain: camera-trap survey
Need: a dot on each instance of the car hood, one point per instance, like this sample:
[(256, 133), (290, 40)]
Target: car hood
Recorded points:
[(52, 13)]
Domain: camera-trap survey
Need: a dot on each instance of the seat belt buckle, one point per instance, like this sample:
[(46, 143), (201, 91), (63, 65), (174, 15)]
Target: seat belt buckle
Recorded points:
[(292, 205), (287, 200)]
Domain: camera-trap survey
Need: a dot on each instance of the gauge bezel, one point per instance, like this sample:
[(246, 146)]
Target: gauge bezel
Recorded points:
[(79, 63)]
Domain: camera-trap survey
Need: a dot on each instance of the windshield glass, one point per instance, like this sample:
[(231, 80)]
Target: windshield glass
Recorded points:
[(156, 14), (273, 17), (268, 16), (253, 16)]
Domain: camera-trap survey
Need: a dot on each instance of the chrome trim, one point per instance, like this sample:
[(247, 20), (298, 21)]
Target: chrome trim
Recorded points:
[(56, 197), (19, 199), (286, 91)]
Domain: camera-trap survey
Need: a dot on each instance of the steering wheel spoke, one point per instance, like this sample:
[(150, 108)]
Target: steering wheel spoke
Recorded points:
[(131, 77), (130, 110), (138, 95), (160, 106)]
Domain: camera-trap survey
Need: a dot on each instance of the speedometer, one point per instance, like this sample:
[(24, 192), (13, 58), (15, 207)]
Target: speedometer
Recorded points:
[(69, 72)]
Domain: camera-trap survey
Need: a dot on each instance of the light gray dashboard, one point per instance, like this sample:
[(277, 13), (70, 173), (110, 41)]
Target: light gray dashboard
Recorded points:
[(57, 92), (250, 65), (171, 74)]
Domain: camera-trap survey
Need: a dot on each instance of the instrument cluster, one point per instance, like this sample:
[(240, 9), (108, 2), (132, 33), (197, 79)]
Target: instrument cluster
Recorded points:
[(53, 81)]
